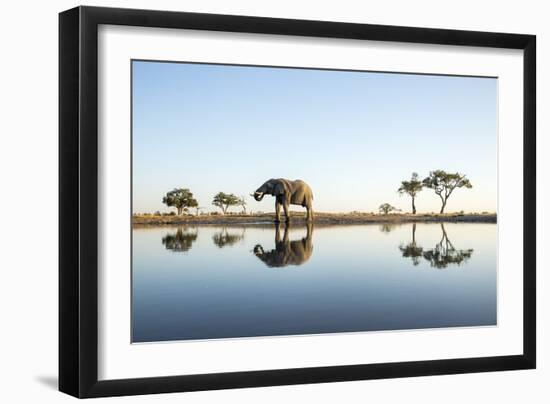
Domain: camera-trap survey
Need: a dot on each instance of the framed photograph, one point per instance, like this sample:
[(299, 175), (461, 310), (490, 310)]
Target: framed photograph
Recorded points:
[(250, 201)]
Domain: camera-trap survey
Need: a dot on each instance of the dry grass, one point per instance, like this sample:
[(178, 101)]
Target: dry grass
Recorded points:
[(320, 218)]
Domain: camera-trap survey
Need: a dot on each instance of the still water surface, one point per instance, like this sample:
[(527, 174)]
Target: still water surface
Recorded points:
[(207, 282)]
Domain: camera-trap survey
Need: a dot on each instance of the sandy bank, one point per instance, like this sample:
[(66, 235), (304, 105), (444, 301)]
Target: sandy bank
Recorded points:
[(320, 218)]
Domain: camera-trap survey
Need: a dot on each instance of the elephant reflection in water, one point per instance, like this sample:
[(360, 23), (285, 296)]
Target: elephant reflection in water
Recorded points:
[(181, 241), (224, 238), (286, 252), (441, 256)]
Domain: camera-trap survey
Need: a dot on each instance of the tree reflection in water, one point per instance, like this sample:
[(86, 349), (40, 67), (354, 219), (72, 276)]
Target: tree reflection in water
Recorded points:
[(286, 252), (224, 238), (411, 250), (441, 256), (387, 227), (181, 241), (445, 253)]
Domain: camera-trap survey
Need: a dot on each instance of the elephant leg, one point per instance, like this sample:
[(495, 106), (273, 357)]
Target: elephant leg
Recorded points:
[(277, 212), (309, 229), (287, 212), (286, 239), (277, 234), (309, 215)]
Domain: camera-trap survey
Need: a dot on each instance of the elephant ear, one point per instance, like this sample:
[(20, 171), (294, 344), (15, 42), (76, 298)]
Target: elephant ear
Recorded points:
[(279, 188)]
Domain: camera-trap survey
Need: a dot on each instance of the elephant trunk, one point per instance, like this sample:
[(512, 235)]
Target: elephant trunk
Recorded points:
[(258, 196)]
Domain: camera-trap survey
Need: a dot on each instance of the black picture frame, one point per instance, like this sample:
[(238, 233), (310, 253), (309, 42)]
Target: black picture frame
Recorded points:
[(78, 201)]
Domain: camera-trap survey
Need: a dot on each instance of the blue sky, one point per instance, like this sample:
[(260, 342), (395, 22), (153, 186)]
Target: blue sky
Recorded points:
[(352, 136)]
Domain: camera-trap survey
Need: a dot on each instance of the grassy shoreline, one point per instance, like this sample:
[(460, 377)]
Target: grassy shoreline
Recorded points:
[(320, 218)]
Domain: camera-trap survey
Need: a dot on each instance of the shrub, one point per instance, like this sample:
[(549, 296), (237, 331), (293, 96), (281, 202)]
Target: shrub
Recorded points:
[(386, 208)]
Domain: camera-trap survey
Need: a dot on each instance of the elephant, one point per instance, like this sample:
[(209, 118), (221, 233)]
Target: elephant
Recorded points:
[(286, 252), (287, 192)]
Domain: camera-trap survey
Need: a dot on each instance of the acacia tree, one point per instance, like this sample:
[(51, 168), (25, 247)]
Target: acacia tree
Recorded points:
[(444, 183), (181, 199), (242, 203), (224, 201), (386, 208), (412, 188)]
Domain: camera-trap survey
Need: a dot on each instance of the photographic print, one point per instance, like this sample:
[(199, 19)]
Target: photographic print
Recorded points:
[(282, 201)]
